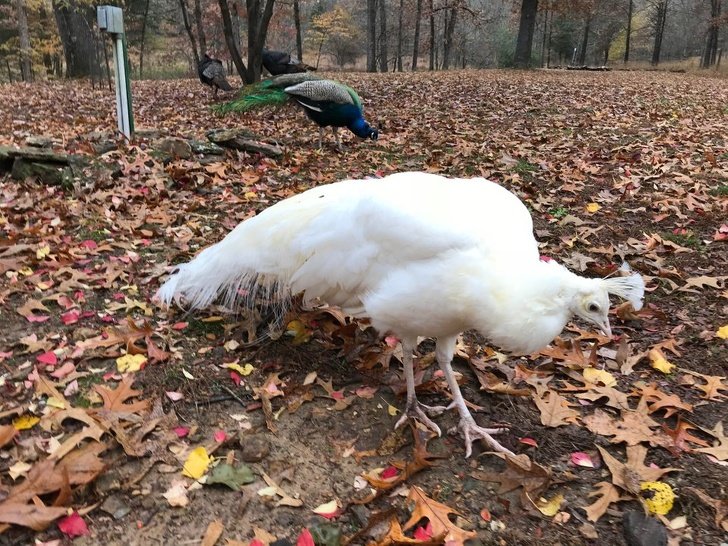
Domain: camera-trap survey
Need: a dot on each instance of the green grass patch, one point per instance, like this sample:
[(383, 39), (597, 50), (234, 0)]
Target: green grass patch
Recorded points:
[(721, 191), (559, 212)]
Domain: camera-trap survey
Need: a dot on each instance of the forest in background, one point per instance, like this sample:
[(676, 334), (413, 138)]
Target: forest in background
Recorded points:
[(42, 39)]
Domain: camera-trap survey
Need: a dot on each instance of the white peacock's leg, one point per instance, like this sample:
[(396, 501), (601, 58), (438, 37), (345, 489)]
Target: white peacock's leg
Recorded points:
[(445, 349), (414, 409), (321, 137)]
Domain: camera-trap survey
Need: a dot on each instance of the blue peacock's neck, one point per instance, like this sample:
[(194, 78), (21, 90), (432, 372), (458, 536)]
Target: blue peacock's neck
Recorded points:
[(360, 127)]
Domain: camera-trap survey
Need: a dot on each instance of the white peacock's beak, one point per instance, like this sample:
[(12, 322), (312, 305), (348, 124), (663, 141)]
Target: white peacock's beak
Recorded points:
[(605, 328)]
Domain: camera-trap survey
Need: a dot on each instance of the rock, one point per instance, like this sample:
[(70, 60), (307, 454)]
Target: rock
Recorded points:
[(643, 530), (39, 141), (147, 132), (206, 148), (115, 506), (177, 148), (50, 173), (47, 166), (255, 448), (242, 139)]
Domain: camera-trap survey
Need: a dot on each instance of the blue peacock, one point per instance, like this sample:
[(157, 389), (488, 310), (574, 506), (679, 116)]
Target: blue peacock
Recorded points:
[(326, 102)]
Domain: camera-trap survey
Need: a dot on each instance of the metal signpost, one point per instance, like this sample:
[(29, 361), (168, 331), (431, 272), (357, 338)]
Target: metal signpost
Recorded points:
[(111, 19)]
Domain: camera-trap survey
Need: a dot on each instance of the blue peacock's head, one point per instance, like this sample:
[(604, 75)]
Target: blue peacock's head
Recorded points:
[(363, 130)]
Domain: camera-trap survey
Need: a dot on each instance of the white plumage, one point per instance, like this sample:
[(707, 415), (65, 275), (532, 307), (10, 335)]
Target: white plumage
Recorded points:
[(419, 254)]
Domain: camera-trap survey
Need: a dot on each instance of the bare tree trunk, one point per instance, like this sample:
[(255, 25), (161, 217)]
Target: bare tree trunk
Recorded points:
[(200, 28), (141, 46), (227, 30), (371, 35), (629, 31), (711, 47), (432, 35), (548, 45), (529, 8), (383, 50), (76, 37), (449, 31), (297, 23), (659, 31), (188, 28), (235, 21), (258, 21), (584, 41), (545, 34), (24, 34), (416, 49), (399, 37)]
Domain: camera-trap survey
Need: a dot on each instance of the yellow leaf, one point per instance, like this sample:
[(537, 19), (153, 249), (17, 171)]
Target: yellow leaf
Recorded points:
[(659, 362), (24, 422), (197, 463), (593, 207), (391, 410), (42, 252), (26, 271), (130, 363), (722, 332), (599, 376), (298, 330), (550, 507), (242, 370), (187, 374), (55, 403), (657, 496)]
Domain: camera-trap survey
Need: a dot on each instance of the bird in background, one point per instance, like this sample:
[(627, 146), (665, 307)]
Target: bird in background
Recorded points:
[(417, 253), (279, 62), (212, 73), (326, 102)]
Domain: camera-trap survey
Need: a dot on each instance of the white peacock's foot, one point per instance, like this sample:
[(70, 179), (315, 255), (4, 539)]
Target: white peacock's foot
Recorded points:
[(472, 431), (418, 411)]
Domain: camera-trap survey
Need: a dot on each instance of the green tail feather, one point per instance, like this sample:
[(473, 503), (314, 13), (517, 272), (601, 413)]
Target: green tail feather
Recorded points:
[(254, 97)]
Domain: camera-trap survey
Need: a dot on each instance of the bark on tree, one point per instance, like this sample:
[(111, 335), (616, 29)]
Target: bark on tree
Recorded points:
[(399, 37), (141, 46), (383, 50), (545, 35), (188, 29), (24, 34), (259, 14), (432, 35), (416, 49), (524, 42), (711, 46), (629, 31), (449, 32), (297, 23), (661, 16), (200, 28), (584, 41), (371, 35), (76, 37)]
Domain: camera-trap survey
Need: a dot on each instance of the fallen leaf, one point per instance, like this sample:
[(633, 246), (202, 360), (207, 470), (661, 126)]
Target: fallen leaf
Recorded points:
[(579, 458), (555, 410), (197, 463), (176, 495), (25, 422), (550, 507), (73, 526), (594, 375), (232, 476), (438, 515), (130, 363), (659, 362), (328, 510), (213, 533)]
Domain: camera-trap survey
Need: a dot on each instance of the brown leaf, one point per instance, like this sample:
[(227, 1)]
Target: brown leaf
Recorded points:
[(680, 436), (633, 427), (30, 515), (607, 494), (213, 533), (658, 399), (615, 399), (114, 399), (719, 451), (438, 515), (395, 537), (555, 410), (720, 507), (628, 475), (7, 433), (520, 472)]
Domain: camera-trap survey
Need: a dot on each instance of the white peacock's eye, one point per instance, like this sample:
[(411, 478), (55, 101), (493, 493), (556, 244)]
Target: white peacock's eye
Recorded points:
[(593, 307)]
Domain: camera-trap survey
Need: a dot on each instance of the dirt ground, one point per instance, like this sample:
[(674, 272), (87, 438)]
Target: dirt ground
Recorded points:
[(647, 148)]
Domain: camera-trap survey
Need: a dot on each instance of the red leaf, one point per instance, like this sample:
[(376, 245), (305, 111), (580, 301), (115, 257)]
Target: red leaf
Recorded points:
[(220, 436), (89, 243), (73, 526), (181, 432), (235, 376), (37, 318), (70, 317), (305, 538), (529, 442), (179, 326), (256, 542), (485, 514), (389, 472), (423, 533), (49, 358)]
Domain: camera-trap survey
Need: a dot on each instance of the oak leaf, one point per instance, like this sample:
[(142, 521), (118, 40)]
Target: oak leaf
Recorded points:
[(114, 399), (607, 494), (520, 472), (719, 451), (633, 427), (555, 410), (438, 515), (680, 436)]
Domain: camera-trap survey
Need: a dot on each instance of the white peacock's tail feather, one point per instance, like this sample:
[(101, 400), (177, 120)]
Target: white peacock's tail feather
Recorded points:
[(631, 287)]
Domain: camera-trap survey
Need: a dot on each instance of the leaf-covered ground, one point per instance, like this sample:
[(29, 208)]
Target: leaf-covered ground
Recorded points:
[(111, 407)]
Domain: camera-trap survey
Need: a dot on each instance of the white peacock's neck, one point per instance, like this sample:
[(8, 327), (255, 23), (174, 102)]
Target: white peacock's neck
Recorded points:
[(533, 303)]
